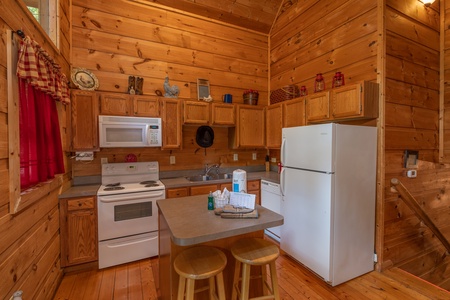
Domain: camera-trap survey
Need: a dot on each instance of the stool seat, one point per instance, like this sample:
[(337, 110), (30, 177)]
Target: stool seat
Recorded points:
[(197, 263), (255, 252)]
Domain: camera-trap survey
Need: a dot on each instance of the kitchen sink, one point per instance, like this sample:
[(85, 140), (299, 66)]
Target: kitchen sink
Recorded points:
[(219, 176)]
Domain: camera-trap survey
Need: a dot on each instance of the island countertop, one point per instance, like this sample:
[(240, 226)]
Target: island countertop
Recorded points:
[(190, 222)]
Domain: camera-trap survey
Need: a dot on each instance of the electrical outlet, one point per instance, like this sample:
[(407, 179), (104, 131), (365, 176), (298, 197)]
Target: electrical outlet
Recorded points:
[(273, 159), (235, 157), (86, 156), (172, 159), (254, 156), (104, 160)]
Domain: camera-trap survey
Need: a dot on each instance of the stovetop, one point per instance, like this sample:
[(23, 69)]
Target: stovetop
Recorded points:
[(122, 178)]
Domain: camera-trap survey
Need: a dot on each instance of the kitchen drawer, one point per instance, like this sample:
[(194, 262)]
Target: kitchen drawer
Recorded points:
[(203, 189), (80, 203), (177, 192), (253, 185), (226, 185)]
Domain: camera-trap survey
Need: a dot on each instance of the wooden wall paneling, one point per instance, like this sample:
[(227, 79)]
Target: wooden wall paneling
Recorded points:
[(173, 19), (97, 20), (411, 95)]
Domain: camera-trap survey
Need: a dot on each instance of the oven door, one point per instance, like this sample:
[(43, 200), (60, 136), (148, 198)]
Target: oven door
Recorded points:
[(127, 214)]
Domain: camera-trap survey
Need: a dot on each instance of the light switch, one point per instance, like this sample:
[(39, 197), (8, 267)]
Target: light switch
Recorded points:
[(235, 157)]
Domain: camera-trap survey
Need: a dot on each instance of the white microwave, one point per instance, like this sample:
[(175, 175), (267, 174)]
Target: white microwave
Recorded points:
[(125, 132)]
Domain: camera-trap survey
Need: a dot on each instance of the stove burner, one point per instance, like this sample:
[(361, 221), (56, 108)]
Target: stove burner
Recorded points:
[(148, 182), (151, 185), (113, 188), (113, 184)]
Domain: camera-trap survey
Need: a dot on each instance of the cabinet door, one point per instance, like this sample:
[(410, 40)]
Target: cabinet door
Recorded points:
[(84, 115), (115, 104), (254, 187), (251, 126), (79, 241), (177, 192), (346, 101), (171, 123), (318, 107), (294, 112), (223, 114), (196, 112), (145, 106), (203, 190), (274, 119)]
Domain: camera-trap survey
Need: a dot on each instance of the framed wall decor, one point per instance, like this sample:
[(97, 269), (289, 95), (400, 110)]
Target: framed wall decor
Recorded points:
[(202, 88)]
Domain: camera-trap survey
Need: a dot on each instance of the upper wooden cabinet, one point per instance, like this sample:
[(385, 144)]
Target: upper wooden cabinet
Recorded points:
[(318, 107), (274, 119), (129, 105), (250, 127), (196, 112), (171, 123), (294, 112), (84, 119), (354, 101), (203, 113), (223, 114)]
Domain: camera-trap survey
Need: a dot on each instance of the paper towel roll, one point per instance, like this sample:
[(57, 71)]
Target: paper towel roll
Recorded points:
[(239, 181)]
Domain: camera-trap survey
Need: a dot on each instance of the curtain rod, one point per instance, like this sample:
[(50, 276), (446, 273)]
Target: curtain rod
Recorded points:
[(20, 33)]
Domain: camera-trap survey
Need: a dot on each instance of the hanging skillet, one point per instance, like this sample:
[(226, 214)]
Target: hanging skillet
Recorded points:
[(204, 136)]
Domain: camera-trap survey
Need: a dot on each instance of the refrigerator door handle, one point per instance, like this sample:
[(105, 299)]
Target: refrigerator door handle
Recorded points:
[(282, 182), (283, 142)]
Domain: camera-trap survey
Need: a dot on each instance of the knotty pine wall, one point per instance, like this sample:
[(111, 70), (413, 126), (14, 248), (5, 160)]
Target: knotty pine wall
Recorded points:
[(412, 122), (29, 240), (121, 38), (312, 37)]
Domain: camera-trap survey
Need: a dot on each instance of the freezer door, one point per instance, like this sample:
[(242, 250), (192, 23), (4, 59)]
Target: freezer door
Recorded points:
[(306, 207), (308, 147)]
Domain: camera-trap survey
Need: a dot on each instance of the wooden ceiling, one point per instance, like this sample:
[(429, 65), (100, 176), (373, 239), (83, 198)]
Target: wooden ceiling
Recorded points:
[(257, 15)]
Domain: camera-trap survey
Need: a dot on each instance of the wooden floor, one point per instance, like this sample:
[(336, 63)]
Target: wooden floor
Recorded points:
[(135, 281)]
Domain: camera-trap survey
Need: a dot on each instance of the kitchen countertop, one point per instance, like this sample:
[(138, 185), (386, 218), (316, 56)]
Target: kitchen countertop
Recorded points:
[(80, 191), (190, 222), (86, 190), (182, 181)]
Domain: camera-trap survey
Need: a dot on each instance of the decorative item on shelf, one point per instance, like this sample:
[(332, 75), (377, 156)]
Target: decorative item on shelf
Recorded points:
[(285, 93), (338, 80), (131, 158), (303, 91), (171, 91), (319, 83), (135, 85), (227, 98), (251, 97), (84, 79)]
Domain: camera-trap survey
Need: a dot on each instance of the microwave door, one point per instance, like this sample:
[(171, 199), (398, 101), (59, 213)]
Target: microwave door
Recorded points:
[(131, 135)]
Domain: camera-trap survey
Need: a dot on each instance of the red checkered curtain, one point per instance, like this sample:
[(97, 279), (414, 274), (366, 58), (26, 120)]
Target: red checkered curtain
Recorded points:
[(40, 84)]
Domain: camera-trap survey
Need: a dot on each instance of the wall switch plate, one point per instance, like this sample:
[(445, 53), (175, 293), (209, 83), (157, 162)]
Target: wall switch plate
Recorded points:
[(104, 160), (235, 157), (273, 159), (254, 156), (172, 159)]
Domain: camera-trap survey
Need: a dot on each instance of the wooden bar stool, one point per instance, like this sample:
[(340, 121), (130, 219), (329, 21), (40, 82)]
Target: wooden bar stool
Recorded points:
[(255, 252), (197, 263)]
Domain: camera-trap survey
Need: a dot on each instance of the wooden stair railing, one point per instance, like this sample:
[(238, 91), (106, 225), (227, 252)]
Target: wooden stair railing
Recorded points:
[(420, 213)]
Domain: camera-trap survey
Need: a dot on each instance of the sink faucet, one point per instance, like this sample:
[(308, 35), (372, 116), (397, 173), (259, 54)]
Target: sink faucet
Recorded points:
[(208, 169)]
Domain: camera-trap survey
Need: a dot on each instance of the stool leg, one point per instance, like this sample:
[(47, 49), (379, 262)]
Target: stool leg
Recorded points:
[(264, 279), (273, 276), (245, 287), (190, 289), (181, 287), (237, 267), (212, 288), (220, 286)]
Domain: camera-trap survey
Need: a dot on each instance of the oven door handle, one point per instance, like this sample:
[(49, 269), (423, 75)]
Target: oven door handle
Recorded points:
[(128, 197), (117, 245)]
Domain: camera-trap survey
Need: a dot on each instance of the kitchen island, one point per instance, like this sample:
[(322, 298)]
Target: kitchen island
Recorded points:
[(186, 222)]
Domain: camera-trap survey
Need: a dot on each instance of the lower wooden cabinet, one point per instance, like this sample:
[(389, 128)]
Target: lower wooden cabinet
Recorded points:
[(78, 225), (253, 187)]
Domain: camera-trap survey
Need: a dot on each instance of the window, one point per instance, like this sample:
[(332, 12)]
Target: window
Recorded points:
[(47, 14)]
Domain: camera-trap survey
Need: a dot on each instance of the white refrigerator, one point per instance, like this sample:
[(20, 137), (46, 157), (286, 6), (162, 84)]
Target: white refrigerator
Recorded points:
[(328, 186)]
